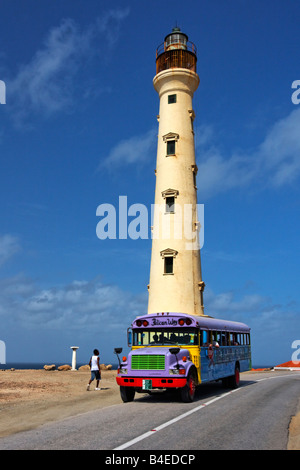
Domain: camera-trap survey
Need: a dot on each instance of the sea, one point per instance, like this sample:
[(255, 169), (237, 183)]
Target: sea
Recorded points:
[(38, 365)]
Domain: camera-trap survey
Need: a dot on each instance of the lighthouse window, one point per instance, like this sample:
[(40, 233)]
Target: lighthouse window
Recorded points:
[(172, 99), (171, 147), (170, 203), (168, 268), (194, 170)]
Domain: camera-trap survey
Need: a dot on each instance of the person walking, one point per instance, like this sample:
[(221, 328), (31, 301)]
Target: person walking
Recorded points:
[(95, 370)]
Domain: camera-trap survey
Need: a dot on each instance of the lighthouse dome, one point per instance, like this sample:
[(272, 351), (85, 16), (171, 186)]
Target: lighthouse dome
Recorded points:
[(176, 39)]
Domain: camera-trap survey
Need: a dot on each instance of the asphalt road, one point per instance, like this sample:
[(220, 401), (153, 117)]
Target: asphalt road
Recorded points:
[(256, 416)]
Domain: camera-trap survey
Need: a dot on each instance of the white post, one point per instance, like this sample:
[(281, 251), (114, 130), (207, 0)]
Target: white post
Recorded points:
[(2, 352), (74, 348)]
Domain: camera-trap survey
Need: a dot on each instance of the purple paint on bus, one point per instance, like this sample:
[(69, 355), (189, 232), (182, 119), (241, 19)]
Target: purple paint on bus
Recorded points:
[(171, 319)]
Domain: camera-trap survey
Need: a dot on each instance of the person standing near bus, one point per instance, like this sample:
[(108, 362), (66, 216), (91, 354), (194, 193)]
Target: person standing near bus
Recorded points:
[(95, 370)]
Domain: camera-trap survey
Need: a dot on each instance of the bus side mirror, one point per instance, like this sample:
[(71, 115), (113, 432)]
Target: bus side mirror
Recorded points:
[(174, 350), (118, 351)]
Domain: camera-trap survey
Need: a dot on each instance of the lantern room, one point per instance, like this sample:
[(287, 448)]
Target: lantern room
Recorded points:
[(176, 52)]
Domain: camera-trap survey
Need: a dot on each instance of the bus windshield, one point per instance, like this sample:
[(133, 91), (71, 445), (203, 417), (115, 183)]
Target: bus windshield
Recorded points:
[(165, 336)]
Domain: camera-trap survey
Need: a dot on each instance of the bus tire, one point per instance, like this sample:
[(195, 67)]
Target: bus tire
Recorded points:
[(127, 393), (188, 391), (234, 380)]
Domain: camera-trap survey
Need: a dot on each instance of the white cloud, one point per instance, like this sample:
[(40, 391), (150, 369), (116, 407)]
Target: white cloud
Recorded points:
[(73, 306), (274, 326), (109, 24), (9, 246), (93, 311), (227, 303), (258, 311), (280, 151), (46, 84), (81, 303), (135, 149), (275, 162), (218, 174)]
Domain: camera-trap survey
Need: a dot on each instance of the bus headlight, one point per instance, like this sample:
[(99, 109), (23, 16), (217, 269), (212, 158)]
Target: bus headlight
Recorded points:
[(122, 371), (176, 371)]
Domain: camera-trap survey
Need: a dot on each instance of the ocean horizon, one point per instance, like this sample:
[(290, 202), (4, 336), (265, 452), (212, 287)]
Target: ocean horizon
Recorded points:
[(40, 365)]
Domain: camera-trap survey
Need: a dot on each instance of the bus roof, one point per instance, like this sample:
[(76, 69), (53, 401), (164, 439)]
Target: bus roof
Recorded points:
[(170, 319)]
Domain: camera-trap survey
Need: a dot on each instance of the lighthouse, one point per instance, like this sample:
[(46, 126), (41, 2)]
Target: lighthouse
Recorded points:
[(175, 273)]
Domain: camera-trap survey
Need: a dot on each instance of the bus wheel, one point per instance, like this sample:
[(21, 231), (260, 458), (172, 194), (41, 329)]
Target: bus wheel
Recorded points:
[(188, 391), (127, 394), (234, 380)]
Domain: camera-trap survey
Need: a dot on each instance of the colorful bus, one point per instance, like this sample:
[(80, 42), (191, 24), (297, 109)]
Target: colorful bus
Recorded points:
[(180, 351)]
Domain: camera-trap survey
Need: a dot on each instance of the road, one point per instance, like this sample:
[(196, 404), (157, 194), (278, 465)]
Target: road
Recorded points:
[(255, 416)]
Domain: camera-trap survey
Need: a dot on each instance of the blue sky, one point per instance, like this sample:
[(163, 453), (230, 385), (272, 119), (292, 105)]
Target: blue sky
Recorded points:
[(79, 129)]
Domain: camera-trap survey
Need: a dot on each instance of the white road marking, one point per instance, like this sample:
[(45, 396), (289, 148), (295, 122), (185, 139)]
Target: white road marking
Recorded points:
[(172, 421), (184, 415)]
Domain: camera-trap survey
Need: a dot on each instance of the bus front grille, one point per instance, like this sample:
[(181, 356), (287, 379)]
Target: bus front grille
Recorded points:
[(148, 362)]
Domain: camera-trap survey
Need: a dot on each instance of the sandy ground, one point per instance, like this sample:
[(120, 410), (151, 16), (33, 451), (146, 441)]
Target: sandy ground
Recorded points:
[(30, 398)]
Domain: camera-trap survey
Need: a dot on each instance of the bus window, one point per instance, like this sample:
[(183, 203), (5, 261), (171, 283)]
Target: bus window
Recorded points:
[(166, 336), (204, 338), (218, 337), (235, 339), (224, 338), (137, 337)]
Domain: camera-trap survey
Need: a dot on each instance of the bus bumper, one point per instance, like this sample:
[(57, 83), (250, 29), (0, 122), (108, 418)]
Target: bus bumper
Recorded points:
[(156, 382)]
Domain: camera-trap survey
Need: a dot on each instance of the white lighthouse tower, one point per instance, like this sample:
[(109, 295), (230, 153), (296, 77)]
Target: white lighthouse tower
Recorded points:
[(175, 275)]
